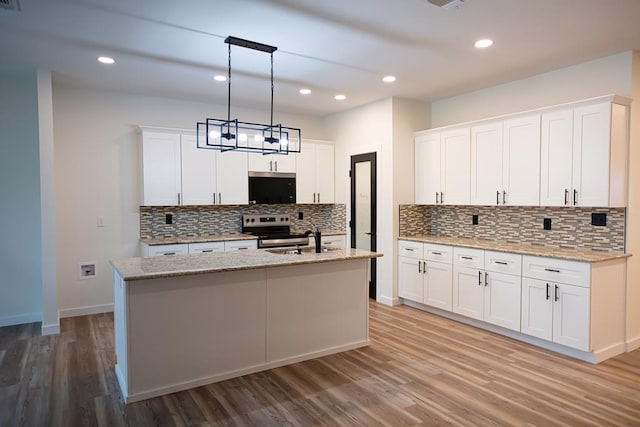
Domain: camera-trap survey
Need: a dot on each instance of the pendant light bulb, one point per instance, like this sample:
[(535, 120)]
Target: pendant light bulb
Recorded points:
[(284, 142), (213, 134)]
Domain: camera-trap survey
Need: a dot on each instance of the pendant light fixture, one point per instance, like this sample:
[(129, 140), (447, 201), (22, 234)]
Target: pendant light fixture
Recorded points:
[(231, 134)]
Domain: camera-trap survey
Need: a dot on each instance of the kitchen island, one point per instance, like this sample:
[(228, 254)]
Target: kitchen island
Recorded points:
[(188, 320)]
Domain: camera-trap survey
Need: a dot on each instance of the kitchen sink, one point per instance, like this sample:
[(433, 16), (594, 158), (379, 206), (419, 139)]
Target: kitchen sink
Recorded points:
[(303, 250)]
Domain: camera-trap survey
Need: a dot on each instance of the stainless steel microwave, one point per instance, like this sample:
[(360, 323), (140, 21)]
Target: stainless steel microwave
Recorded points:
[(272, 188)]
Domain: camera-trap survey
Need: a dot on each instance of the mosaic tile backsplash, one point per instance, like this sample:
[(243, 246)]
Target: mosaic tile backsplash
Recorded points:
[(192, 221), (570, 226)]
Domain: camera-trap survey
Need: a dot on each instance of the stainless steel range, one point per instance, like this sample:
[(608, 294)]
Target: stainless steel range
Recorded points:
[(273, 231)]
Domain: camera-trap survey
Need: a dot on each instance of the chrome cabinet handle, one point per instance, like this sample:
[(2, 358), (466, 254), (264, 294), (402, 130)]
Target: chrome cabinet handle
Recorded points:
[(486, 281), (220, 198), (436, 253), (169, 253), (270, 165), (479, 278), (318, 197), (437, 201), (552, 270), (179, 198), (504, 197), (314, 197), (501, 262), (419, 271), (566, 196), (408, 249), (207, 250), (555, 293), (575, 197), (441, 197), (498, 197), (214, 198), (466, 257), (424, 267), (547, 291)]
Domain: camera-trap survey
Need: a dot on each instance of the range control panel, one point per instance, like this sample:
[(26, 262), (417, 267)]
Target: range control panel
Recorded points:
[(271, 220)]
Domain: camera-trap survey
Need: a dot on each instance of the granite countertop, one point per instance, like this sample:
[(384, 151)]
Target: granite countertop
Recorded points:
[(215, 262), (218, 238), (521, 248)]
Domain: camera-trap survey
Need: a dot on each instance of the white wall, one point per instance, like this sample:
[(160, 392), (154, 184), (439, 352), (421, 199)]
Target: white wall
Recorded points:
[(385, 127), (97, 174), (20, 256), (633, 216), (618, 74), (603, 76)]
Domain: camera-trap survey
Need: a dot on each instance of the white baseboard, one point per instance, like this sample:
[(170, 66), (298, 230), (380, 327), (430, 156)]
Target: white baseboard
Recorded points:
[(86, 311), (632, 344), (389, 301), (20, 319), (53, 329)]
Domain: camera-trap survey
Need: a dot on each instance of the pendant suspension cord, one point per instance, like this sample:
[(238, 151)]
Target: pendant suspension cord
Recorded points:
[(271, 93), (229, 87)]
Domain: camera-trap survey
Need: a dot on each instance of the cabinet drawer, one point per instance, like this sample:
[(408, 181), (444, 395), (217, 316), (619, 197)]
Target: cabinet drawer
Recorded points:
[(239, 245), (502, 262), (167, 250), (410, 249), (557, 270), (199, 248), (467, 257), (438, 253), (337, 241)]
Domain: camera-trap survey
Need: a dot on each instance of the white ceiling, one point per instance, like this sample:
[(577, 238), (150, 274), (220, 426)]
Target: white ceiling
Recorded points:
[(173, 48)]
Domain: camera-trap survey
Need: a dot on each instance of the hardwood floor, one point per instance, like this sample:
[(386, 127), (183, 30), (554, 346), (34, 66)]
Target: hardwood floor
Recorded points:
[(419, 369)]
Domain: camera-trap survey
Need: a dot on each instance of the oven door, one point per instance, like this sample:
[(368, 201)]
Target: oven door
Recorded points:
[(281, 242)]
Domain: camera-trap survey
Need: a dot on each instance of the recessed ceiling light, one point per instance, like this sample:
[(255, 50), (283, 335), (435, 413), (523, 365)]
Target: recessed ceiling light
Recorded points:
[(340, 97), (305, 91), (389, 79), (220, 78), (106, 60), (484, 43)]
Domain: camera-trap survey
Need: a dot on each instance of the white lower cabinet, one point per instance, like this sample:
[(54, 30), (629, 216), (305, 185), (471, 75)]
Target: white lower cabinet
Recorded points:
[(486, 286), (206, 247), (240, 245), (197, 248), (164, 250), (425, 274), (555, 311)]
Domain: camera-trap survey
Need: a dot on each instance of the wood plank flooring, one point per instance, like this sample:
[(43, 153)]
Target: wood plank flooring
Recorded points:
[(419, 370)]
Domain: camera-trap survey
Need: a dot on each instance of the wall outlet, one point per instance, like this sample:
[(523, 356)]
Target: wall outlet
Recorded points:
[(87, 270), (300, 215), (599, 219), (474, 219), (168, 219), (547, 223)]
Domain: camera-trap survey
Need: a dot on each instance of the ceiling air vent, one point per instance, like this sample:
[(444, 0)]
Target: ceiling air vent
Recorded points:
[(9, 4), (447, 4)]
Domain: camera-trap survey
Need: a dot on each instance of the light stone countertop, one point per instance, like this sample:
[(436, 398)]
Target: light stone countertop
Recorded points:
[(215, 262), (219, 238), (521, 248)]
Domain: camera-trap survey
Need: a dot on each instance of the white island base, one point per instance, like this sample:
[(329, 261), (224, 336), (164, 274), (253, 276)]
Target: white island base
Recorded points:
[(176, 333)]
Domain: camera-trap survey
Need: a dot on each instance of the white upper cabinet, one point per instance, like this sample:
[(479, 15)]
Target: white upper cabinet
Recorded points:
[(198, 173), (259, 162), (568, 155), (315, 173), (176, 172), (486, 164), (505, 162), (442, 169), (427, 169), (161, 170), (521, 161), (584, 156)]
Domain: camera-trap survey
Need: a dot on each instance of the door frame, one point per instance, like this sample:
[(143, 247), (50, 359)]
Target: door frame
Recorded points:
[(357, 158)]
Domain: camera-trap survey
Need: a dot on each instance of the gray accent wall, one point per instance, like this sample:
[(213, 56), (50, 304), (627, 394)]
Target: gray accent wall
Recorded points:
[(20, 253)]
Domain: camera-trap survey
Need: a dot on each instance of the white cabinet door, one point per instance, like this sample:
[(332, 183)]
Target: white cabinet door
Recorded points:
[(502, 300), (427, 169), (198, 173), (325, 173), (259, 162), (537, 308), (456, 167), (591, 141), (468, 292), (571, 316), (556, 158), (521, 161), (205, 247), (438, 285), (240, 245), (162, 183), (410, 279), (232, 178), (486, 164), (306, 174)]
